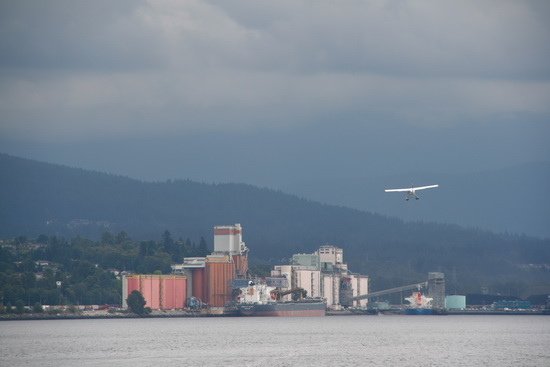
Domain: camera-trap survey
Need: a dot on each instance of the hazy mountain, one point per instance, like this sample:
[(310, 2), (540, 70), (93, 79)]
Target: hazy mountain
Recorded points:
[(44, 198), (348, 166)]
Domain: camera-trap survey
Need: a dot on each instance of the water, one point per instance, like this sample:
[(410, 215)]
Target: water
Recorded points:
[(329, 341)]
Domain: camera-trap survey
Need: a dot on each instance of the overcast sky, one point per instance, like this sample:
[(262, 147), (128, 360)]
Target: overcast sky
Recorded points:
[(158, 89)]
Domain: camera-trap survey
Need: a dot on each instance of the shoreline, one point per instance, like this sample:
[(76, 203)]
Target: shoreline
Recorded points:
[(99, 316), (104, 316)]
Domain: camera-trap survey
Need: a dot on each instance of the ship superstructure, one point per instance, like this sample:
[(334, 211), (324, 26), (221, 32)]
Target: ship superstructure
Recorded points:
[(419, 304), (261, 299)]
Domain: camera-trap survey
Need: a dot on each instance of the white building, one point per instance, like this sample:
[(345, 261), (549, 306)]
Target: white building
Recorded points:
[(331, 290), (330, 254), (309, 280), (284, 271), (324, 274), (229, 240), (360, 286), (299, 277)]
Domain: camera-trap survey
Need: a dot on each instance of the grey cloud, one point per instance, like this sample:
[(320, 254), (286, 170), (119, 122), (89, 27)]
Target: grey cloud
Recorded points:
[(496, 39), (466, 39), (74, 70), (75, 35)]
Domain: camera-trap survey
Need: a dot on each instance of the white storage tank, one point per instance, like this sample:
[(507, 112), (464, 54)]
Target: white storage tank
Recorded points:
[(309, 280), (360, 286), (330, 286), (455, 302)]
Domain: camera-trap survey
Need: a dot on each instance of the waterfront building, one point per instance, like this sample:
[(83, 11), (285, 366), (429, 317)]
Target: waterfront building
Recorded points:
[(325, 274), (210, 278), (436, 289), (161, 292)]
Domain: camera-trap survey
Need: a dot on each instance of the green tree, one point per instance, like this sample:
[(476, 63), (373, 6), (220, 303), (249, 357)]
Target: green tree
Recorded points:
[(147, 248), (19, 307), (29, 280), (203, 248), (37, 308), (167, 241), (142, 248), (20, 240), (107, 238), (122, 237), (136, 303)]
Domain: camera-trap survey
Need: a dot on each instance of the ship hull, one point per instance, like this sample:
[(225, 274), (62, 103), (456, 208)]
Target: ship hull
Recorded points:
[(284, 309), (419, 311)]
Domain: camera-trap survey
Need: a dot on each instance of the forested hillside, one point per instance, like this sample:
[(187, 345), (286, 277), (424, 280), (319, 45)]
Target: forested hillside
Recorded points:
[(39, 198), (52, 270)]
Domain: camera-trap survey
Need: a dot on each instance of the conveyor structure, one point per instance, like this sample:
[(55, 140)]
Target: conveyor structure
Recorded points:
[(391, 290)]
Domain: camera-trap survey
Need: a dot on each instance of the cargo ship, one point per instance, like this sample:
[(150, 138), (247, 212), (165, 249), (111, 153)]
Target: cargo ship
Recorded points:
[(263, 300), (419, 304)]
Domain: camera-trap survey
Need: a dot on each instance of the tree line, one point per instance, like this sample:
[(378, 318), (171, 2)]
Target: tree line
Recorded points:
[(51, 270)]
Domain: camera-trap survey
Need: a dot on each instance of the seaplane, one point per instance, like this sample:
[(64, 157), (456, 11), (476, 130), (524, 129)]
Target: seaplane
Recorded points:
[(410, 192)]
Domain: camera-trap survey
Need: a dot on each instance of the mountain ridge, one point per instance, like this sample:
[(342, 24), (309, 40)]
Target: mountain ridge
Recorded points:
[(44, 198)]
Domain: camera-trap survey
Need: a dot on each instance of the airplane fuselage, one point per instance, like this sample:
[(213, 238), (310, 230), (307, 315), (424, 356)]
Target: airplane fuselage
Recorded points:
[(411, 194)]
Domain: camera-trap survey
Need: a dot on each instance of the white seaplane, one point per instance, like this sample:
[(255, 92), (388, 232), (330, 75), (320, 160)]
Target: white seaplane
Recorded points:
[(411, 191)]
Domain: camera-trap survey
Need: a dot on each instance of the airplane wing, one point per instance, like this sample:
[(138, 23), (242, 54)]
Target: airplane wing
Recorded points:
[(426, 187), (397, 190)]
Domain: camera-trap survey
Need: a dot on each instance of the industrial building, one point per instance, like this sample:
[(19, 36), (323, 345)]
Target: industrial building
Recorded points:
[(210, 277), (324, 274), (161, 292), (210, 280), (207, 279), (436, 289)]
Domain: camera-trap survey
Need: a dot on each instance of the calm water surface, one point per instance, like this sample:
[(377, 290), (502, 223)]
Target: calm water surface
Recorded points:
[(329, 341)]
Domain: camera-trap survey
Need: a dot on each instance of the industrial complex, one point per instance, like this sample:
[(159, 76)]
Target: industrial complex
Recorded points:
[(220, 283), (214, 281)]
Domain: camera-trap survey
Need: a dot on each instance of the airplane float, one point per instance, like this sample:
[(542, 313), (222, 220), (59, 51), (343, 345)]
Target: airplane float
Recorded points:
[(410, 192)]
